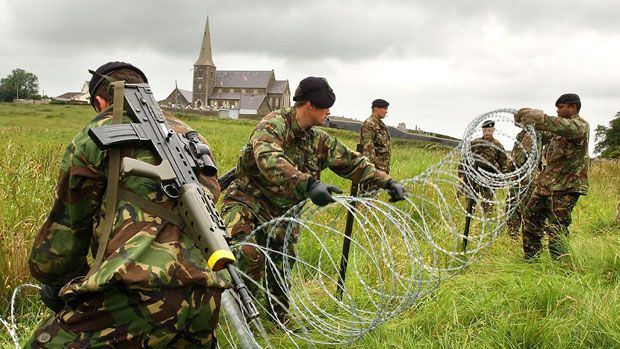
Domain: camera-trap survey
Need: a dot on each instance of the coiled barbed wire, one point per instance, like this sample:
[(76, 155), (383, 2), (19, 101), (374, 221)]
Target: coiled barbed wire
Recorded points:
[(399, 252)]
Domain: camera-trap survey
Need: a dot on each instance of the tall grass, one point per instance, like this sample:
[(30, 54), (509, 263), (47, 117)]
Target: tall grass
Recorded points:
[(500, 302)]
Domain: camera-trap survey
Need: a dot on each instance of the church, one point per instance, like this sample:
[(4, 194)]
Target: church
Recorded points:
[(233, 93)]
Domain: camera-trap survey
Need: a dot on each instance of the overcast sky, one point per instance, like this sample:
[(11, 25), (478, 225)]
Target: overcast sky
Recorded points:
[(439, 63)]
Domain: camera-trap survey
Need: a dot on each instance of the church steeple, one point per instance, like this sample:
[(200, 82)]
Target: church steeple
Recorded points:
[(204, 71), (205, 57)]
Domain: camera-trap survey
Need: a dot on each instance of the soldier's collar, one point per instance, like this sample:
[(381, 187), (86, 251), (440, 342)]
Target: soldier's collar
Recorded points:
[(297, 130)]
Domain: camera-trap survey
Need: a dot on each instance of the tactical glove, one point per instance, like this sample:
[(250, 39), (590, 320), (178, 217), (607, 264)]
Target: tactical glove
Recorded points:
[(50, 297), (528, 116), (321, 193), (396, 191)]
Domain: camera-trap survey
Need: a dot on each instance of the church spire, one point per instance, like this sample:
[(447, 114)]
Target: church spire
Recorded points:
[(205, 57), (204, 72)]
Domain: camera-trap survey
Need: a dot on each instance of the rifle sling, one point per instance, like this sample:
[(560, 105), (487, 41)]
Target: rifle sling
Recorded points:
[(150, 206), (114, 168)]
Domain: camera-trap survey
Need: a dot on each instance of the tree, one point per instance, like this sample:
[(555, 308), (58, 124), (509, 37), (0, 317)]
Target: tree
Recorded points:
[(608, 139), (19, 84)]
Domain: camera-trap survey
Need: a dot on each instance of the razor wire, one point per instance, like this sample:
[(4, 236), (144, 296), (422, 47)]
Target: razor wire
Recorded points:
[(400, 252)]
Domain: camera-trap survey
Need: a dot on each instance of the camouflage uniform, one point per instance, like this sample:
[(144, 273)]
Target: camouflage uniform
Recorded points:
[(152, 289), (563, 178), (522, 145), (272, 176), (490, 156), (375, 139)]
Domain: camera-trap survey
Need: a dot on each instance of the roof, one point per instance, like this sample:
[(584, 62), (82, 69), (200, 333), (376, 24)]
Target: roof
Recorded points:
[(243, 78), (278, 86), (187, 95), (69, 95), (252, 101)]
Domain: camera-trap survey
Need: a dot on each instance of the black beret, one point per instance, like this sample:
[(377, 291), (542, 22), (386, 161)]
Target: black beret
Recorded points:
[(317, 91), (568, 98), (488, 123), (380, 103), (107, 69)]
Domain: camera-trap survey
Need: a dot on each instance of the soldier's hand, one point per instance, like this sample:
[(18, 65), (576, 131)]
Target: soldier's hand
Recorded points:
[(321, 193), (396, 190), (50, 297), (528, 116)]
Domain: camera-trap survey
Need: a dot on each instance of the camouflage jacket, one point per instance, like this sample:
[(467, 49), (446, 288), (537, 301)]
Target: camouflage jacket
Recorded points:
[(275, 165), (375, 138), (566, 159), (143, 251), (522, 145), (489, 155)]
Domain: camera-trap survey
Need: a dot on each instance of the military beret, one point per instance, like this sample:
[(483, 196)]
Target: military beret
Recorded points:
[(317, 91), (488, 123), (568, 98), (107, 69), (380, 103)]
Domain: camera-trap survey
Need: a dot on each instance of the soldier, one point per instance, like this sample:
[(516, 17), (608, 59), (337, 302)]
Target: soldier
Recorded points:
[(490, 155), (522, 145), (563, 178), (375, 139), (280, 167), (149, 286)]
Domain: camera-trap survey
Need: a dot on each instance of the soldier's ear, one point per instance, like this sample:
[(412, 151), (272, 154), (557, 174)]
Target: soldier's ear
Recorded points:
[(100, 103)]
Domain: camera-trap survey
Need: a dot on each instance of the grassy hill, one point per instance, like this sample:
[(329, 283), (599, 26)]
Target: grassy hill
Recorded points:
[(499, 302)]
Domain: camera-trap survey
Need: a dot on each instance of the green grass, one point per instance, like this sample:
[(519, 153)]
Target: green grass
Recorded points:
[(499, 302)]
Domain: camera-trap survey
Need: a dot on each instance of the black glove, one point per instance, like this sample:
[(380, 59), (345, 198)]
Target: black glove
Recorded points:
[(321, 193), (49, 296), (396, 191)]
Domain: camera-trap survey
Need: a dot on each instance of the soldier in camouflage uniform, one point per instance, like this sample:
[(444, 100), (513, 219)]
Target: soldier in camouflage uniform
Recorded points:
[(152, 288), (280, 167), (522, 145), (563, 178), (490, 156), (375, 139)]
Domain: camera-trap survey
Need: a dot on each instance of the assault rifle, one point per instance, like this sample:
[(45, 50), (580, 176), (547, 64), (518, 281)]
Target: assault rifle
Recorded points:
[(183, 158)]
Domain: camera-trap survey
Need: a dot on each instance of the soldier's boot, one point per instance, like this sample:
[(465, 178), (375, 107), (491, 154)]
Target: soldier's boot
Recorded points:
[(532, 246)]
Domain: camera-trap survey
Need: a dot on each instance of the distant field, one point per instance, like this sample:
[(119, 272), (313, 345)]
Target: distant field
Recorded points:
[(498, 303)]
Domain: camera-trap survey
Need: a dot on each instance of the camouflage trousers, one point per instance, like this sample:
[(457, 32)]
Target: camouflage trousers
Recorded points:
[(240, 222), (555, 211), (514, 222), (484, 196), (127, 318)]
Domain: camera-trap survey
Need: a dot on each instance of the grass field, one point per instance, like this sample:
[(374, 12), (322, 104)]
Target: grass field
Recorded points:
[(499, 302)]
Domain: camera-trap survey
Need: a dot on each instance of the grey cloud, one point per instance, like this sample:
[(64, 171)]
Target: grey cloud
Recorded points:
[(309, 30)]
